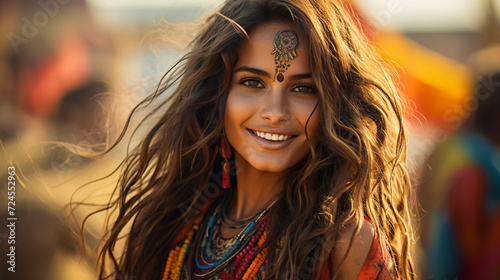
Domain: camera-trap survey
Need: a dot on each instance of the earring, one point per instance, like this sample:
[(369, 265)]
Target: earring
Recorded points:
[(225, 152)]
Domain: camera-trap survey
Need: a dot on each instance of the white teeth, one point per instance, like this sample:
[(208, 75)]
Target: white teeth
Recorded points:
[(272, 137)]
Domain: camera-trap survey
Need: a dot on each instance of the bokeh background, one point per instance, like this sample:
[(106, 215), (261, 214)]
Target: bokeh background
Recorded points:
[(72, 70)]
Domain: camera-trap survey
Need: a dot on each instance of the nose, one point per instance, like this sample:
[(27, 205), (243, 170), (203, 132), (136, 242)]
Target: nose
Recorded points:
[(275, 106)]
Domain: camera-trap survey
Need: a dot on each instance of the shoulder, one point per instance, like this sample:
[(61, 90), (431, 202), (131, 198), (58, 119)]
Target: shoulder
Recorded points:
[(369, 257), (356, 256)]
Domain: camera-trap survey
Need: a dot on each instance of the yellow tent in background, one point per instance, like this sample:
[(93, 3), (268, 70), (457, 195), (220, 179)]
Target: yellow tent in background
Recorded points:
[(437, 85)]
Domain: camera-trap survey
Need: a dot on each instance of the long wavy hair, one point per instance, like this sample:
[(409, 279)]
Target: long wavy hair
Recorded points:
[(357, 169)]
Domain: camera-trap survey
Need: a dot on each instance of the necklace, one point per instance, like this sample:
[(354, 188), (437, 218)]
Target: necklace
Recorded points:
[(176, 256), (239, 222), (215, 252), (248, 263)]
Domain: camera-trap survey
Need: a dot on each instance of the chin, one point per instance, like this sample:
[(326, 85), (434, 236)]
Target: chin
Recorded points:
[(269, 167), (276, 165)]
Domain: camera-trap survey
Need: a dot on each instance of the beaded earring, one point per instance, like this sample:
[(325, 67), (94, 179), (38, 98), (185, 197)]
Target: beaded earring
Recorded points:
[(225, 152)]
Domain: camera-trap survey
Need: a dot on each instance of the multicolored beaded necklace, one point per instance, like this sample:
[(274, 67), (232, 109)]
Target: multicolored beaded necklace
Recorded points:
[(239, 257)]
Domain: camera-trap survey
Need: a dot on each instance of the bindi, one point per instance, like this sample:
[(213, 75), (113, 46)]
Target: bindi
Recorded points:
[(285, 43)]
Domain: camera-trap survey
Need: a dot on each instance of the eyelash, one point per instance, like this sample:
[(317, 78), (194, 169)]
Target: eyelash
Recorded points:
[(251, 79), (311, 89)]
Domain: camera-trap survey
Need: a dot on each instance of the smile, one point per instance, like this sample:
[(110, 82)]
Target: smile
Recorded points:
[(272, 137)]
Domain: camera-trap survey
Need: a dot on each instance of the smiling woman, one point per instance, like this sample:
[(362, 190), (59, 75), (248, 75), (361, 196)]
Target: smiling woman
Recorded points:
[(281, 155), (260, 109)]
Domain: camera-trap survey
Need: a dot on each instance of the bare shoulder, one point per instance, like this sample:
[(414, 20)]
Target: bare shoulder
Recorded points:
[(360, 249)]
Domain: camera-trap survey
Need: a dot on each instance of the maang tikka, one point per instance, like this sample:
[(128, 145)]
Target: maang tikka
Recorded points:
[(225, 152), (285, 43)]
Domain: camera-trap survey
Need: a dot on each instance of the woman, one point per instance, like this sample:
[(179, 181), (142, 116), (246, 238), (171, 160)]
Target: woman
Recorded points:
[(281, 155)]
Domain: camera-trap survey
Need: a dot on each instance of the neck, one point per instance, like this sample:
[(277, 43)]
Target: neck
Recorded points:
[(255, 190)]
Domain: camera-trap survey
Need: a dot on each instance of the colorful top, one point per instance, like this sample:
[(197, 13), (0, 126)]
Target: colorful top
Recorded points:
[(244, 257)]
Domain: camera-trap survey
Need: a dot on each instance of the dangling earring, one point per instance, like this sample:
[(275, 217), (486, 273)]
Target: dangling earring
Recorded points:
[(225, 152)]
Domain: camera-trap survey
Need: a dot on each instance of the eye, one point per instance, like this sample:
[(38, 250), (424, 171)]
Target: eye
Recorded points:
[(304, 88), (251, 83)]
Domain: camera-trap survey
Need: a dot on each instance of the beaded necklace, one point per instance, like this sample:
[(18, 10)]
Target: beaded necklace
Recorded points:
[(228, 252), (244, 242), (176, 256), (246, 251)]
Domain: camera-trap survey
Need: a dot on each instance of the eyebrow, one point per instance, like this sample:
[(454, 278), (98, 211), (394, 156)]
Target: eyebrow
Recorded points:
[(266, 74)]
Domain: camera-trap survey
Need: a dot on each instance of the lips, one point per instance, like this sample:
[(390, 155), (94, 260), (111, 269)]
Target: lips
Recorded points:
[(272, 140), (272, 137)]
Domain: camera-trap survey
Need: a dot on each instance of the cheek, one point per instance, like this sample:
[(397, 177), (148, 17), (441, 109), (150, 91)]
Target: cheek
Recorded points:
[(314, 124), (237, 110)]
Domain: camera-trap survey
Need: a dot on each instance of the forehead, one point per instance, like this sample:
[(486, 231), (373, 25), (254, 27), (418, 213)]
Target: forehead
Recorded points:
[(257, 50)]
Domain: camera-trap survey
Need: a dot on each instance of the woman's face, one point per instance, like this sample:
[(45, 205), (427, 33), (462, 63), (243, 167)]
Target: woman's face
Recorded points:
[(267, 107)]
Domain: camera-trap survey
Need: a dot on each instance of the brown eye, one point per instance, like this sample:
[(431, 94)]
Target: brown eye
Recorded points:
[(252, 83), (304, 88)]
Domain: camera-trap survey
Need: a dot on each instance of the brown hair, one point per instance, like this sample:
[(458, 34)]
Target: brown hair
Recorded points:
[(357, 169)]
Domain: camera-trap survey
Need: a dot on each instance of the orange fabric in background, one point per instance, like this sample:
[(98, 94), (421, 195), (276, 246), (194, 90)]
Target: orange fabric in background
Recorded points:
[(434, 83), (437, 85)]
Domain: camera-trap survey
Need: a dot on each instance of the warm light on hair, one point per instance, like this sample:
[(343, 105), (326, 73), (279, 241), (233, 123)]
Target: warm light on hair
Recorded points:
[(357, 168)]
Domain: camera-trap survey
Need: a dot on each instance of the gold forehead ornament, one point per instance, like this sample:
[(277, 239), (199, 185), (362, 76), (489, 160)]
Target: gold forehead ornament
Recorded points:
[(285, 43)]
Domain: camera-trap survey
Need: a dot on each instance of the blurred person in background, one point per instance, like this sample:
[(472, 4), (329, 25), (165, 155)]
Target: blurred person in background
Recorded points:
[(49, 53), (461, 194)]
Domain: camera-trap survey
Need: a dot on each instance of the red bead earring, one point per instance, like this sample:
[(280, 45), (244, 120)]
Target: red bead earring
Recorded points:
[(225, 152)]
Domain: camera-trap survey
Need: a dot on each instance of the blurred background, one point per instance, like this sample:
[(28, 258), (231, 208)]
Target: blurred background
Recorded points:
[(66, 64)]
